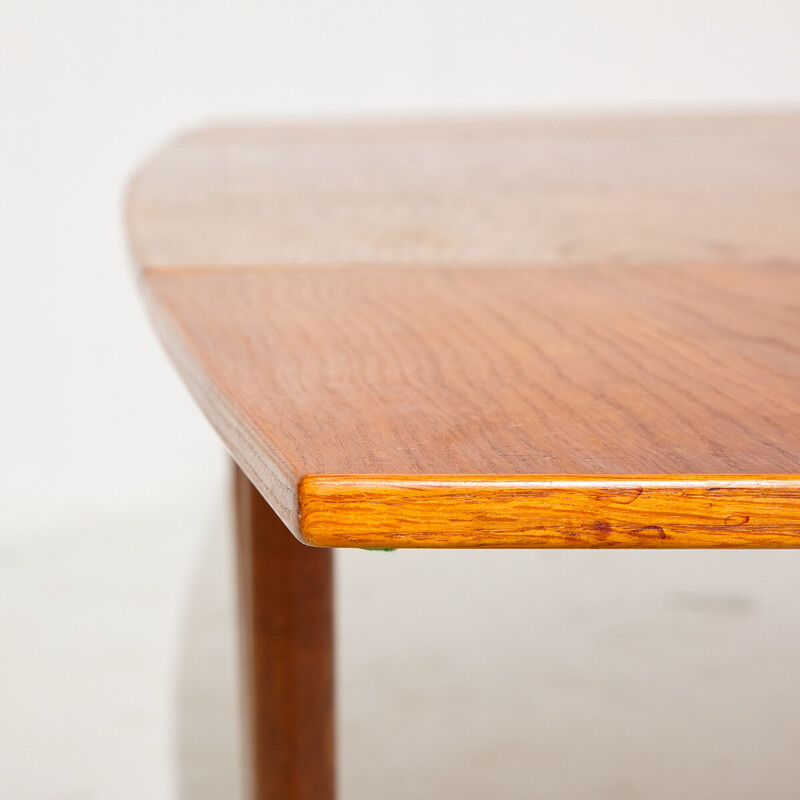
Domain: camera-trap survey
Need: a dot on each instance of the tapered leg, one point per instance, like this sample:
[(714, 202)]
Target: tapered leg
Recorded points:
[(286, 632)]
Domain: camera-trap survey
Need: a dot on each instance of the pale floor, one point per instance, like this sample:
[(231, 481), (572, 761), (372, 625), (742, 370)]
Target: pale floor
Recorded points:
[(561, 675)]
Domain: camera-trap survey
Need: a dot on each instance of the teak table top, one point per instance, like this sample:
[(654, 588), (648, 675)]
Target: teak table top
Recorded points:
[(508, 333)]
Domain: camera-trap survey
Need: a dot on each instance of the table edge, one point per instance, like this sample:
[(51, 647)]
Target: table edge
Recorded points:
[(545, 511)]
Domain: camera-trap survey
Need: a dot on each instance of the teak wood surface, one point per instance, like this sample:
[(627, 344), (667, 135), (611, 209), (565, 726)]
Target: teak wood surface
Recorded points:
[(509, 333)]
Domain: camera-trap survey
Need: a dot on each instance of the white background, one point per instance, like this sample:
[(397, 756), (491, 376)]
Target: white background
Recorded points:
[(109, 478)]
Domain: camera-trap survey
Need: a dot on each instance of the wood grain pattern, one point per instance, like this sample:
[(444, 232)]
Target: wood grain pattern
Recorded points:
[(639, 511), (286, 632), (569, 190), (634, 316)]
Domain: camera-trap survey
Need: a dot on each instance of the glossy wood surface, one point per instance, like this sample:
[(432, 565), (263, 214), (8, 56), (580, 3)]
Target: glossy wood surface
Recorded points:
[(429, 328), (286, 632), (639, 511)]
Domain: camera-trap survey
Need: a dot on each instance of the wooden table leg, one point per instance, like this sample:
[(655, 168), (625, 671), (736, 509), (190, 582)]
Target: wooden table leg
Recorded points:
[(286, 632)]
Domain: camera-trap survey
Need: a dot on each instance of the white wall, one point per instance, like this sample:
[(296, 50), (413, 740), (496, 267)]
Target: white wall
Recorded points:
[(95, 430)]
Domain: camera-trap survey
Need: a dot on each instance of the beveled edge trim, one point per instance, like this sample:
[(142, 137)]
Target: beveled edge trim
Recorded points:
[(540, 511), (252, 453)]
